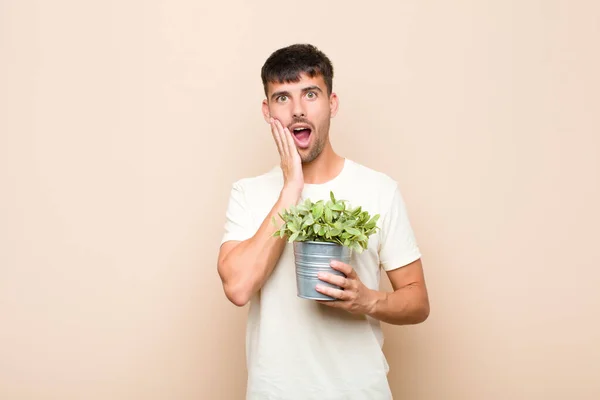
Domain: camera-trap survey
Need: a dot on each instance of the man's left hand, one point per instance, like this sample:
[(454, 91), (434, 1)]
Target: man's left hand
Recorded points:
[(355, 296)]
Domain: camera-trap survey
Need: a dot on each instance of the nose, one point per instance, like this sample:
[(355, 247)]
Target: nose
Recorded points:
[(298, 110)]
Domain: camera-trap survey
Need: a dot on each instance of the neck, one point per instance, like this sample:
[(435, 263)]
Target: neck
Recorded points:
[(323, 168)]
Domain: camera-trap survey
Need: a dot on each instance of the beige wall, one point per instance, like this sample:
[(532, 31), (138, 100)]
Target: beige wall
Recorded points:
[(123, 125)]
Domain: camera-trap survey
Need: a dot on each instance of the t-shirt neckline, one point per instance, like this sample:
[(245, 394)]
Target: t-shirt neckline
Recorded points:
[(332, 181)]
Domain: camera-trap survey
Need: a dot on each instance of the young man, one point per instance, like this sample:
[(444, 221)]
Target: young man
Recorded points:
[(305, 349)]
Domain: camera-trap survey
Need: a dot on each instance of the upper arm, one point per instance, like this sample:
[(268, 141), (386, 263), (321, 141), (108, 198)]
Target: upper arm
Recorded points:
[(226, 248), (410, 274), (409, 282), (400, 255)]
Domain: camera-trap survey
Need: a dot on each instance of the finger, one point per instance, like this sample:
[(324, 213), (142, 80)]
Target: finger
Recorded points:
[(333, 279), (277, 137), (284, 142), (342, 267), (332, 303), (332, 292), (291, 143)]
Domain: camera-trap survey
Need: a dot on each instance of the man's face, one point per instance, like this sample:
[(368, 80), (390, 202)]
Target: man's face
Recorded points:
[(305, 109)]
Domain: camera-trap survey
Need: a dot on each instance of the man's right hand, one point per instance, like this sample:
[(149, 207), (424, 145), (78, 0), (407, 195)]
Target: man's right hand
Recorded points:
[(291, 163), (245, 266)]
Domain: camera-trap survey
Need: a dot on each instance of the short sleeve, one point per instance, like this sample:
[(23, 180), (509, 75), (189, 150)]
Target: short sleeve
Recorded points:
[(398, 244), (238, 219)]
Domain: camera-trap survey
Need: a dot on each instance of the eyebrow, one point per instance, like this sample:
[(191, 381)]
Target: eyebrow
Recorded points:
[(304, 90), (308, 89)]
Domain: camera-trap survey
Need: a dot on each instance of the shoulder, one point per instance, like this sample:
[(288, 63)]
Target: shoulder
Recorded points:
[(373, 180), (379, 191), (270, 178), (260, 190)]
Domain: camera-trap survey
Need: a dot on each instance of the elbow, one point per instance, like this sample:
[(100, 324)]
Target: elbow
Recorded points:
[(422, 313), (236, 295), (233, 290)]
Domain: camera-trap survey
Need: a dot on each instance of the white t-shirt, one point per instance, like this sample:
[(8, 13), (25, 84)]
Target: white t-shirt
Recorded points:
[(298, 349)]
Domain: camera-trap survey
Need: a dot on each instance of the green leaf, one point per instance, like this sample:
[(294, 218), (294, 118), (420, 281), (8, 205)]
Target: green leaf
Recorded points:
[(353, 231), (337, 207), (302, 208), (372, 222), (318, 210), (350, 223), (357, 247), (328, 215), (293, 237), (332, 197), (308, 221), (316, 228)]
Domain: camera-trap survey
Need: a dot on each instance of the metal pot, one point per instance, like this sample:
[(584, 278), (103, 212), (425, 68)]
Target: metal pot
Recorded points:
[(313, 257)]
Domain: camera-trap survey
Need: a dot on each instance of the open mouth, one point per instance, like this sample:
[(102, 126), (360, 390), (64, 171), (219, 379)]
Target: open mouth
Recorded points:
[(302, 135)]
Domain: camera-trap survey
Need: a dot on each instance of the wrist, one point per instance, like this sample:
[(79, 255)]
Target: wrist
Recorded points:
[(291, 193), (376, 301)]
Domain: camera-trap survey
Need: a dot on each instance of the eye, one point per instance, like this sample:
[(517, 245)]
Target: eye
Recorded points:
[(311, 95), (282, 98)]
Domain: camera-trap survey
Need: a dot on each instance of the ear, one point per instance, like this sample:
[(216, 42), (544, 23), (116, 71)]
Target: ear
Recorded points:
[(334, 103), (265, 111)]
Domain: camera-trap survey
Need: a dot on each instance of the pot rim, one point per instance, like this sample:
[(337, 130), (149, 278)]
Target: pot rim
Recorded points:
[(319, 242)]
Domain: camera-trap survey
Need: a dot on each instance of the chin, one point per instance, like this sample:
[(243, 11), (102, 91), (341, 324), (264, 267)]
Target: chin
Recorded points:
[(307, 156)]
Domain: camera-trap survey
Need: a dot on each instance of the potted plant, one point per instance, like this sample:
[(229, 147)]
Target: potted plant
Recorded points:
[(321, 232)]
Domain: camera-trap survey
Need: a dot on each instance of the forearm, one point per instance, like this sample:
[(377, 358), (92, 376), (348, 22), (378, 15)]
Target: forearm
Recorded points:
[(404, 306), (248, 265)]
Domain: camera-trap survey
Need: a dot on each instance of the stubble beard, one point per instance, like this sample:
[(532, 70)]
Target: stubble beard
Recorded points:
[(318, 145)]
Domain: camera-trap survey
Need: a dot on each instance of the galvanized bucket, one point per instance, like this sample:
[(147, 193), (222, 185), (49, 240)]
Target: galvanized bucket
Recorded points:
[(313, 257)]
